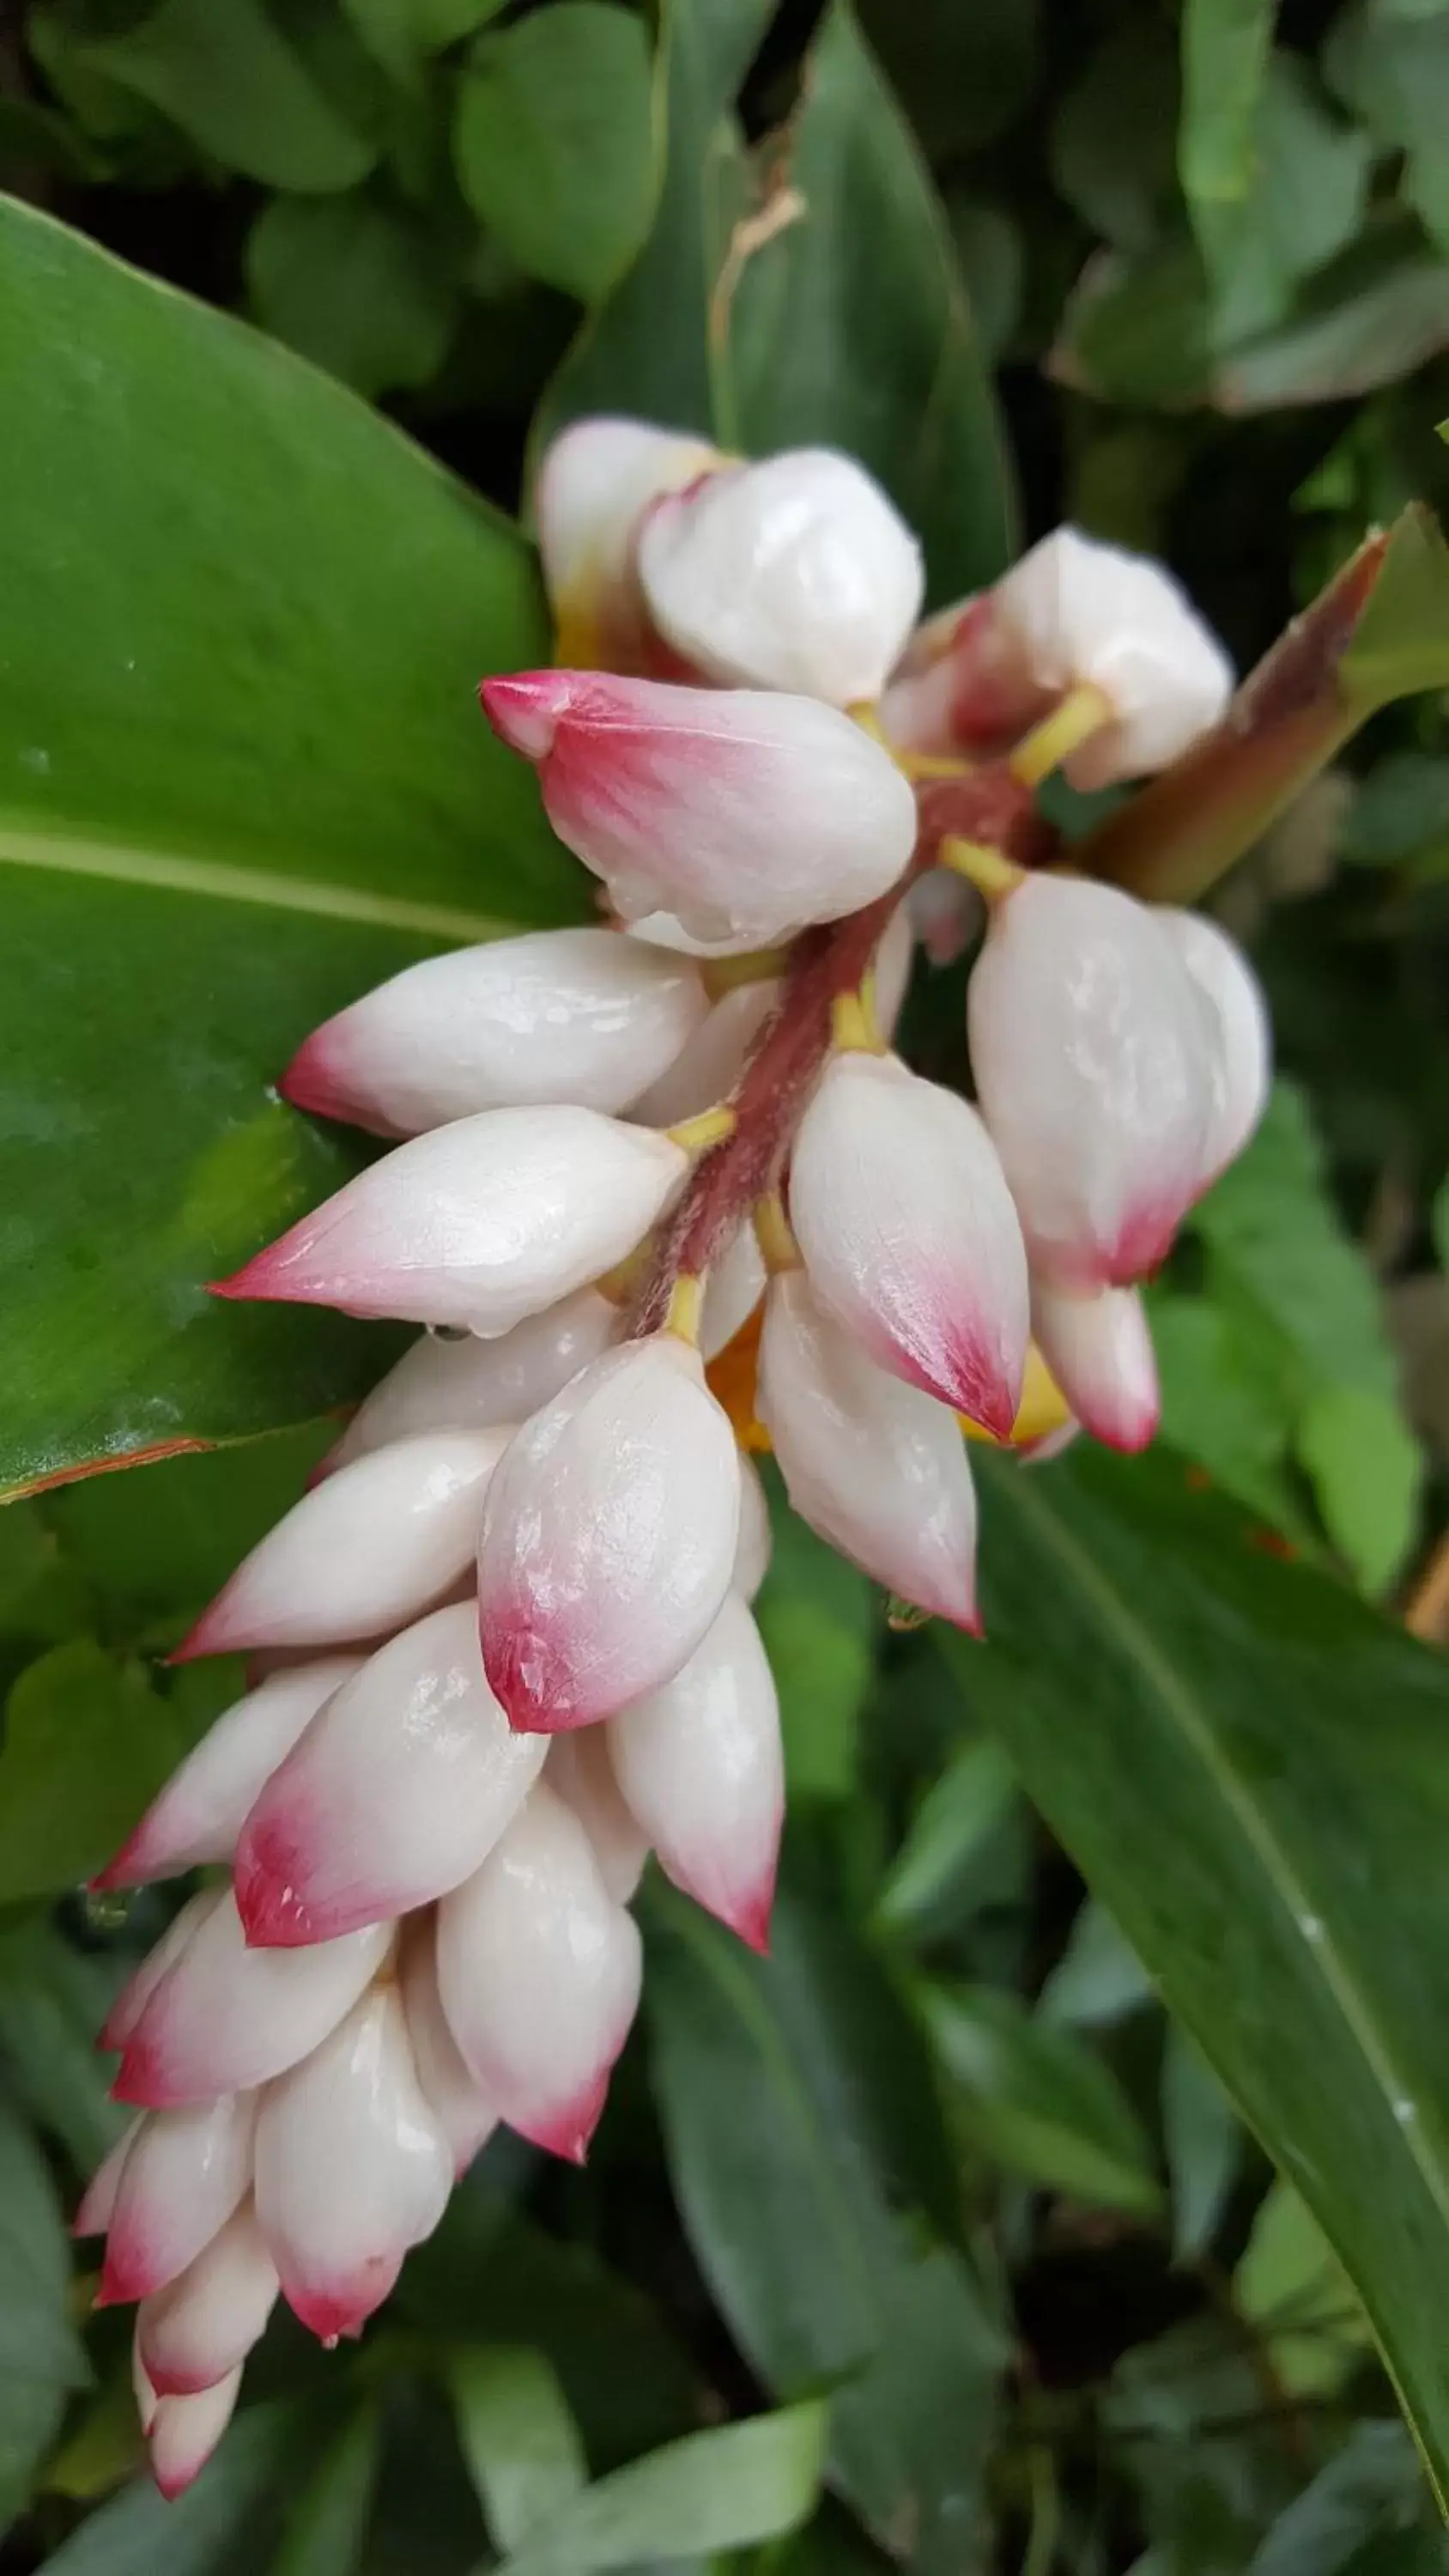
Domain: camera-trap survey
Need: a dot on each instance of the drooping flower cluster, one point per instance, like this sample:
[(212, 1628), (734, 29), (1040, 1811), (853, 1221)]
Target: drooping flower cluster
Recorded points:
[(661, 1194)]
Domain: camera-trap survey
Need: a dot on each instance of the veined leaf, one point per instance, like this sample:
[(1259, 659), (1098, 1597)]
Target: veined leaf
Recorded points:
[(1248, 1767), (712, 2491), (242, 777)]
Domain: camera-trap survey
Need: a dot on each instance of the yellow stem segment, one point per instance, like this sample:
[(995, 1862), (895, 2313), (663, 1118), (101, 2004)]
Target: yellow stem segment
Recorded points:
[(686, 1301), (1083, 712), (757, 966), (990, 871), (853, 1027), (772, 1233), (698, 1135)]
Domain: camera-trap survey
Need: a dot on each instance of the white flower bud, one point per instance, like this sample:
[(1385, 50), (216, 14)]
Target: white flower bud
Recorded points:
[(608, 1537), (559, 1015), (596, 479), (184, 2431), (910, 1238), (1099, 1350), (479, 1223), (878, 1468), (184, 2174), (204, 2323), (1091, 1048), (1242, 1055), (745, 815), (473, 1385), (582, 1774), (226, 2017), (465, 2114), (795, 573), (396, 1791)]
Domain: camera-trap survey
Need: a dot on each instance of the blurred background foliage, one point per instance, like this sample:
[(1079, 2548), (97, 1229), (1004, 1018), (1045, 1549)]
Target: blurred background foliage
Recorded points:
[(944, 2160)]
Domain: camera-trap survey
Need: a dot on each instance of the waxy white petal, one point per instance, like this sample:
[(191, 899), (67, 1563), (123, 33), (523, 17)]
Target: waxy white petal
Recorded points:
[(186, 2172), (582, 1774), (608, 1537), (706, 1070), (203, 1806), (184, 2431), (596, 479), (1077, 611), (473, 1385), (136, 1993), (701, 1766), (539, 1974), (396, 1791), (1099, 1350), (891, 966), (733, 1290), (98, 2200), (204, 2323), (744, 814), (351, 2168), (558, 1015), (225, 2016), (752, 1553), (878, 1468), (911, 1242), (795, 573), (479, 1223), (1242, 1055), (463, 2111), (1091, 1047), (367, 1550)]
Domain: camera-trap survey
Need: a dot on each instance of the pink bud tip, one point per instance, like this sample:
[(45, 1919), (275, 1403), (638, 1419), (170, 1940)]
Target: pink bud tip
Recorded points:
[(568, 2132), (524, 709), (749, 1919), (139, 2080), (126, 1870), (273, 1915), (176, 2383), (168, 2489), (264, 1277), (344, 2309), (121, 2283), (310, 1084), (207, 1637)]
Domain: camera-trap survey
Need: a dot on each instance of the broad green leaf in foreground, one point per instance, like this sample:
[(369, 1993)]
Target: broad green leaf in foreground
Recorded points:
[(327, 2526), (819, 2274), (519, 2439), (1248, 1766), (1034, 2099), (712, 2491), (242, 777), (40, 2355), (235, 2507)]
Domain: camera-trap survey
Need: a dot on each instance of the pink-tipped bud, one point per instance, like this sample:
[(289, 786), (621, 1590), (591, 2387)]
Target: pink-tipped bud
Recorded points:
[(184, 2431), (203, 1806), (539, 1974), (98, 2200), (582, 1774), (136, 1993), (186, 2172), (351, 2169), (596, 480), (910, 1238), (1242, 1050), (396, 1791), (479, 1223), (1099, 1350), (1091, 1047), (701, 1766), (472, 1385), (466, 2114), (745, 815), (226, 2017), (367, 1550), (752, 1552), (878, 1468), (795, 573), (204, 2323), (559, 1015), (608, 1537)]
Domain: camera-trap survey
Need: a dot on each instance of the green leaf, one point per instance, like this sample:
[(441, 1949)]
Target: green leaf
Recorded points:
[(230, 80), (1203, 2143), (819, 1620), (1392, 68), (1370, 320), (788, 2217), (356, 284), (1038, 2102), (521, 2443), (1292, 2289), (621, 2375), (1135, 330), (1231, 1397), (41, 2358), (1099, 1978), (242, 777), (1111, 143), (1439, 1220), (718, 2490), (648, 349), (1197, 1738), (1226, 46), (1371, 2485), (1367, 1470), (958, 1818), (554, 142), (88, 1743), (851, 325), (1306, 201), (1401, 642), (53, 2000), (327, 2527), (139, 2534), (1400, 811)]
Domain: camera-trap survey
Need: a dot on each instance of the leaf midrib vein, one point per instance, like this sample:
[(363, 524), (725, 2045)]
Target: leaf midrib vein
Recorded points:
[(221, 880)]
